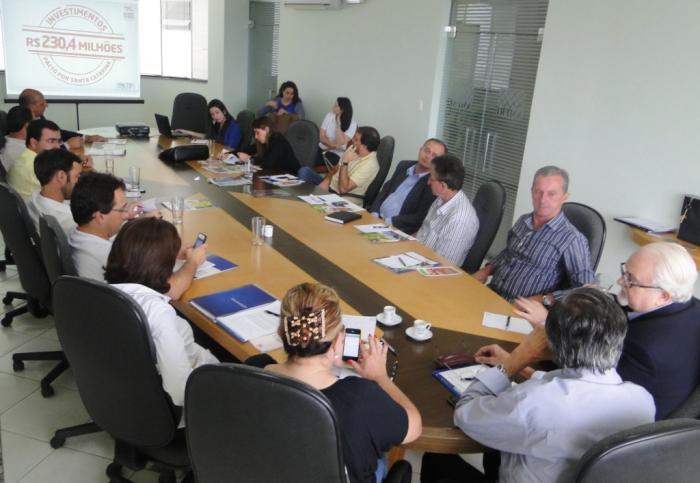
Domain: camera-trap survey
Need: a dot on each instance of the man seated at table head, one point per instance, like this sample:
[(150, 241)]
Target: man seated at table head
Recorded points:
[(18, 118), (35, 101), (405, 199), (545, 252), (451, 224), (357, 168), (41, 135), (100, 208), (544, 425), (58, 171)]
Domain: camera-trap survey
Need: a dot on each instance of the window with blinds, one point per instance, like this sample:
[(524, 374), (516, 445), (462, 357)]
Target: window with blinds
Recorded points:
[(490, 70), (174, 38), (263, 51)]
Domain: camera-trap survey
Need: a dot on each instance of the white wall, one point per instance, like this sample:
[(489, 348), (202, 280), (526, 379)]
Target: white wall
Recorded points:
[(616, 103), (228, 50), (382, 54)]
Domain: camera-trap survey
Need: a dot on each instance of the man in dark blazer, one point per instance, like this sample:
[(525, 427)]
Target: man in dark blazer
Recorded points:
[(662, 347), (405, 199)]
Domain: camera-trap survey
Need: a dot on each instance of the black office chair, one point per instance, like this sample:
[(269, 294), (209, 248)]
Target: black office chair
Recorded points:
[(591, 224), (660, 451), (245, 120), (105, 335), (58, 261), (489, 204), (385, 153), (303, 136), (690, 408), (190, 112), (21, 238), (241, 418)]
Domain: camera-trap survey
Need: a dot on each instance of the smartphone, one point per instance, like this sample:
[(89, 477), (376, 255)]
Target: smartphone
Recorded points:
[(201, 238), (351, 348)]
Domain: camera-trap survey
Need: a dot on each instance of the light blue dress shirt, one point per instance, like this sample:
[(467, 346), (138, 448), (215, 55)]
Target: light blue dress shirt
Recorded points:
[(393, 203), (544, 425)]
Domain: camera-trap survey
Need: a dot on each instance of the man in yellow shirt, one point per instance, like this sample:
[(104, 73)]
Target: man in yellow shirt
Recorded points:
[(41, 135), (357, 168)]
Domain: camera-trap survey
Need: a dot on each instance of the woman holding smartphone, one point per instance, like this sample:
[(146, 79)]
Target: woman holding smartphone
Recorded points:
[(374, 415), (140, 264)]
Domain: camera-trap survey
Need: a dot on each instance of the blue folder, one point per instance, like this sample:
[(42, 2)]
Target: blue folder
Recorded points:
[(231, 301)]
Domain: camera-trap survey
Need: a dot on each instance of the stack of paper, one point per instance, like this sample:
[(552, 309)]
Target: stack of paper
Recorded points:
[(379, 233), (282, 180), (458, 380), (331, 203), (228, 181), (191, 204), (212, 265), (104, 149), (405, 262)]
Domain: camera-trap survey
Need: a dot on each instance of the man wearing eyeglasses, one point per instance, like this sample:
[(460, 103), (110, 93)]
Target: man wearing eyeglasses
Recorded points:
[(41, 135), (405, 199), (662, 348), (100, 208)]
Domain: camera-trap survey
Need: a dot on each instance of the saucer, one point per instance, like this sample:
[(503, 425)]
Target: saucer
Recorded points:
[(397, 320), (428, 335)]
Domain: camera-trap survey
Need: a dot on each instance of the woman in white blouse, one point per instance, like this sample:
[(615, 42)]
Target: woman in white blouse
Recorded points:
[(337, 129), (140, 263)]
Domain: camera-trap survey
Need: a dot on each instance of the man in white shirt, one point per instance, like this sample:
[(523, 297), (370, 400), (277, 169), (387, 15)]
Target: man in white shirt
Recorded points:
[(57, 171), (451, 224), (544, 425), (100, 208), (17, 120)]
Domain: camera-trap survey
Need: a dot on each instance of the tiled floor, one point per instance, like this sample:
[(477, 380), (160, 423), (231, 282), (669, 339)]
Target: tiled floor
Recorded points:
[(27, 420)]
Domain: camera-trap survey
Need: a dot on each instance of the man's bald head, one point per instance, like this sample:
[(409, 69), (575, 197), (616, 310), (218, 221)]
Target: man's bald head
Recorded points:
[(33, 100)]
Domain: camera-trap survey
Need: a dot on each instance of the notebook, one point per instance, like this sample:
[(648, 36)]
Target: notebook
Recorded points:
[(231, 301)]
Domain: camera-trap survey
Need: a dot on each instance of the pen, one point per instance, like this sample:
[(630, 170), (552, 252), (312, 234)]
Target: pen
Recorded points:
[(272, 313), (390, 347), (401, 260), (507, 322)]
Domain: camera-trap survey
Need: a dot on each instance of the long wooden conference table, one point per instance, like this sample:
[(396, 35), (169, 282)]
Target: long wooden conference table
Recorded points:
[(305, 247)]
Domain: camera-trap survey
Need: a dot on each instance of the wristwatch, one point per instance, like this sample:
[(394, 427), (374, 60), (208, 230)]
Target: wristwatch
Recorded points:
[(547, 300)]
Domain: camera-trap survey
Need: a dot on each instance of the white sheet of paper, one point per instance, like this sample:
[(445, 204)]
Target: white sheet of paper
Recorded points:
[(267, 343), (499, 321), (367, 325), (253, 323), (149, 204)]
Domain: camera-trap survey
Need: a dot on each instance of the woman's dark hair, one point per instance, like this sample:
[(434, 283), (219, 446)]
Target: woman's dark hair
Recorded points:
[(291, 84), (301, 300), (261, 123), (217, 131), (144, 252), (345, 113)]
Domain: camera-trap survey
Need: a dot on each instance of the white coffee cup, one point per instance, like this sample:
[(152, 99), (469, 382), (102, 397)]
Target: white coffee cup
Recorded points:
[(421, 328), (389, 314)]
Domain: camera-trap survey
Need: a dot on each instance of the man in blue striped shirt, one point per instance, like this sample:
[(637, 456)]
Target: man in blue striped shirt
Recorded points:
[(545, 252)]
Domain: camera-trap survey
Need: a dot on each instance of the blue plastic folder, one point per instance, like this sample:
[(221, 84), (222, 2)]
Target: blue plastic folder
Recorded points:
[(231, 301), (221, 263)]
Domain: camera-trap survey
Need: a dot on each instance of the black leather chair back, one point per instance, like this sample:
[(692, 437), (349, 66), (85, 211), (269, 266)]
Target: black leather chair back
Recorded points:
[(303, 136), (690, 407), (105, 336), (245, 120), (21, 238), (385, 154), (190, 112), (591, 224), (55, 249), (3, 123), (660, 451), (489, 203), (246, 424)]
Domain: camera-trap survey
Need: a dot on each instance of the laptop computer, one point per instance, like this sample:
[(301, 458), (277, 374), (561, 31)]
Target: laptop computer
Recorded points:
[(164, 127)]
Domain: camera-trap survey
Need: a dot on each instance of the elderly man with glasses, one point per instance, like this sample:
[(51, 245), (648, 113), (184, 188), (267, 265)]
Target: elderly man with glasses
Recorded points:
[(662, 347)]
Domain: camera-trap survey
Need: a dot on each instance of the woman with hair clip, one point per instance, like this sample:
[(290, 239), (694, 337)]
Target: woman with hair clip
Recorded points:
[(373, 414), (286, 102), (140, 264), (337, 129), (272, 150), (223, 129)]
